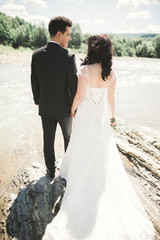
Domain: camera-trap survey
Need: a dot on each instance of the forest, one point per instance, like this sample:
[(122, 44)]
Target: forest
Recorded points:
[(16, 32)]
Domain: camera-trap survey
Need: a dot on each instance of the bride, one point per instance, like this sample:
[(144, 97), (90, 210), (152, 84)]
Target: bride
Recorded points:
[(100, 202)]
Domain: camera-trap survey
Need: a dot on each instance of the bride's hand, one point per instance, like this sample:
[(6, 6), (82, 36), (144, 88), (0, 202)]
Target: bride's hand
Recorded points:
[(113, 122), (73, 114)]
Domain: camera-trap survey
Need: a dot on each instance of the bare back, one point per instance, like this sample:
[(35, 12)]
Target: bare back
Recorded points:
[(93, 76)]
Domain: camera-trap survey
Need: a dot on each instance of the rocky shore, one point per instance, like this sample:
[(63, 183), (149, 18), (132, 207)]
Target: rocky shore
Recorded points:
[(33, 199)]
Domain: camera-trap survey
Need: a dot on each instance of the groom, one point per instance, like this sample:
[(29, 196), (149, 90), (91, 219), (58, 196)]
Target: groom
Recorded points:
[(54, 83)]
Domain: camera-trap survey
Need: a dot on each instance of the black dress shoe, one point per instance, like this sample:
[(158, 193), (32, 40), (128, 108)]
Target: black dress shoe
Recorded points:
[(52, 175)]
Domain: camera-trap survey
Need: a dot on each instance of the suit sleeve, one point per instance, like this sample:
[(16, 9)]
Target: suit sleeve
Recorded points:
[(34, 83), (72, 77)]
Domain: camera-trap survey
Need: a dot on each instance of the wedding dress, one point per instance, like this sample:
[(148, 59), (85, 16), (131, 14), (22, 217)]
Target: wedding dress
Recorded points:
[(99, 202)]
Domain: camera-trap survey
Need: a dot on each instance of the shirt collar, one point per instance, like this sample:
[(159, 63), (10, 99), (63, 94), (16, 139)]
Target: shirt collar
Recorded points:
[(54, 42)]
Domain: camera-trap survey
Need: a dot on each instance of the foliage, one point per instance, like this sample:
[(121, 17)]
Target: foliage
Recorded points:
[(76, 37), (17, 32), (156, 44)]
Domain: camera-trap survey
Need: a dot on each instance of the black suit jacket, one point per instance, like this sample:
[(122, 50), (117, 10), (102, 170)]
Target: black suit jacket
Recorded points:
[(53, 80)]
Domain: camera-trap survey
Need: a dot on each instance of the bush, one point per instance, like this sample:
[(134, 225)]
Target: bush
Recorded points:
[(156, 44)]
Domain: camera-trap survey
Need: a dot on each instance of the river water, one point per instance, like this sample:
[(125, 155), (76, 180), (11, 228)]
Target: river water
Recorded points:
[(137, 101)]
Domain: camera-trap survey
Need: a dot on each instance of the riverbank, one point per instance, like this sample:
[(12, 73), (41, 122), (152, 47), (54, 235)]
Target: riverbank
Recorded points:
[(10, 55)]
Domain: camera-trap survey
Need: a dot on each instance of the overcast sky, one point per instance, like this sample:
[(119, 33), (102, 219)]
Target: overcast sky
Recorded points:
[(94, 16)]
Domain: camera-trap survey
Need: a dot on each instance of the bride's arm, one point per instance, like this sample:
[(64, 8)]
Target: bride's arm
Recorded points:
[(79, 94), (110, 97)]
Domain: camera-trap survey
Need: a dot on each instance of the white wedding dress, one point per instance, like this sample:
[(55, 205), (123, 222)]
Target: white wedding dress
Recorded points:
[(99, 202)]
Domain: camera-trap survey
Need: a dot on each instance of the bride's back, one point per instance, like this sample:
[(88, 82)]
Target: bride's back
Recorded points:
[(93, 76)]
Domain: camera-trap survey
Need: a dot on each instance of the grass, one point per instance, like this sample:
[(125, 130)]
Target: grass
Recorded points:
[(10, 50)]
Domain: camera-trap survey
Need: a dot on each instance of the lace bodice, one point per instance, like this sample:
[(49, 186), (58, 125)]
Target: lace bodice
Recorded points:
[(94, 94)]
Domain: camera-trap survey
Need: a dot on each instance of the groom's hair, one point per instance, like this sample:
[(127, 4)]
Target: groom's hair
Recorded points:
[(58, 24)]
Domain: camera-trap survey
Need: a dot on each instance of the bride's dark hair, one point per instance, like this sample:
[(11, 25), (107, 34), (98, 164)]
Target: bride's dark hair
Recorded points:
[(100, 51)]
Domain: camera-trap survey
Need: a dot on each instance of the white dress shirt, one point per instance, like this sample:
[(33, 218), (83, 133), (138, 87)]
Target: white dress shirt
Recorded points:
[(55, 42)]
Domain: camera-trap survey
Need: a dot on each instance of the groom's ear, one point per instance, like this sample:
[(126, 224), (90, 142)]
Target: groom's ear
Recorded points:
[(58, 34)]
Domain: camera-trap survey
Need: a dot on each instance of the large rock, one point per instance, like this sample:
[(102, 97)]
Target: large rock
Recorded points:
[(36, 204)]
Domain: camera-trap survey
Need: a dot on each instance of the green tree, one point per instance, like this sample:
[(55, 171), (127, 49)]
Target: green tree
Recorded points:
[(156, 44), (130, 51), (85, 38), (18, 37), (5, 32), (76, 36), (141, 50), (40, 36), (137, 41)]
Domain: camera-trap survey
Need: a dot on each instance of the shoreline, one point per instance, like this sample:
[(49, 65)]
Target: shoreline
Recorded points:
[(16, 57), (23, 55)]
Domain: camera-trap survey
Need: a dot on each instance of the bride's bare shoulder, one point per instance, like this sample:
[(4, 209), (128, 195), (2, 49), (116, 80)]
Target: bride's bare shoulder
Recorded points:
[(112, 75)]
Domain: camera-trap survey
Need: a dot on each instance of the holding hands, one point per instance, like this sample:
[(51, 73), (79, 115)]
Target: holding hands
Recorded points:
[(73, 113)]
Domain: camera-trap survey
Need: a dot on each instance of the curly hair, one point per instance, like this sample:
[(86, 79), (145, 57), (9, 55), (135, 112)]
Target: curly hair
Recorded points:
[(100, 51), (58, 24)]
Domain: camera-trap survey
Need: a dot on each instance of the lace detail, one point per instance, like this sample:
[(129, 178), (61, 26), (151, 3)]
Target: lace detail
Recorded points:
[(83, 71), (96, 94)]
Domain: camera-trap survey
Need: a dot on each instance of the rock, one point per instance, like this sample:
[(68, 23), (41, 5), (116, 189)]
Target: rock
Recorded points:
[(36, 204), (141, 147), (141, 144)]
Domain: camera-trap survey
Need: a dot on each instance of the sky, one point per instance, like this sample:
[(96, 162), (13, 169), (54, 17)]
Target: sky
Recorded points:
[(94, 16)]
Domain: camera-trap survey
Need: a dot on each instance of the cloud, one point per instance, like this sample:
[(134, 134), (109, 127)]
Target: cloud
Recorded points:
[(149, 29), (84, 20), (156, 2), (73, 0), (133, 4), (37, 19), (70, 0), (38, 3), (14, 10), (139, 15), (99, 21), (20, 11)]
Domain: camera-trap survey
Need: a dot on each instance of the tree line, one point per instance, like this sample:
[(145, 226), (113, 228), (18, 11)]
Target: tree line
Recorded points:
[(17, 32)]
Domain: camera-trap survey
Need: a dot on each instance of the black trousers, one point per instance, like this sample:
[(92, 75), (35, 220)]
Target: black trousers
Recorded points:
[(49, 130)]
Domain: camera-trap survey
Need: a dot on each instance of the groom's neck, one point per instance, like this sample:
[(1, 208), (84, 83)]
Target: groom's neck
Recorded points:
[(55, 40)]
